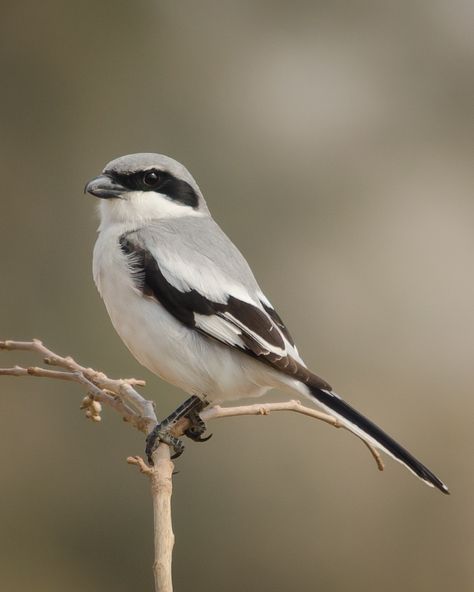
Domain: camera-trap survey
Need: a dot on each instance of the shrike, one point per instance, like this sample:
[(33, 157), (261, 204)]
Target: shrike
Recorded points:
[(186, 303)]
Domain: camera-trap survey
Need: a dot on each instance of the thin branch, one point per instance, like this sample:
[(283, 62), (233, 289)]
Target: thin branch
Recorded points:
[(121, 395), (265, 409), (217, 412), (375, 453), (161, 480)]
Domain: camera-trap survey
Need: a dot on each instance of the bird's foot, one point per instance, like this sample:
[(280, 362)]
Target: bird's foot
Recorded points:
[(162, 432), (197, 427)]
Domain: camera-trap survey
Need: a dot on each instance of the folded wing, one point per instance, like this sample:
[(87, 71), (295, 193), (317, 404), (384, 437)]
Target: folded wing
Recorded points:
[(237, 316)]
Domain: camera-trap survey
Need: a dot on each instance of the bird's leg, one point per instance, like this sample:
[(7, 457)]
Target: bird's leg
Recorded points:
[(162, 431)]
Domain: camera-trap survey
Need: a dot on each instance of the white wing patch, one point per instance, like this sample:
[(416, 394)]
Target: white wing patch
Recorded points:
[(220, 329), (229, 329), (291, 349), (258, 338)]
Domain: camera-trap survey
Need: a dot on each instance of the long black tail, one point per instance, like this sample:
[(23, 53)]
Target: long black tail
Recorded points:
[(364, 428)]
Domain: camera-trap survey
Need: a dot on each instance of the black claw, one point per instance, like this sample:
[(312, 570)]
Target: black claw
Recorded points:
[(149, 457), (196, 436), (151, 445), (197, 428), (177, 453)]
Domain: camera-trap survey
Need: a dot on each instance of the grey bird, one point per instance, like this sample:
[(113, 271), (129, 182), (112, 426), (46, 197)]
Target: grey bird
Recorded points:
[(187, 305)]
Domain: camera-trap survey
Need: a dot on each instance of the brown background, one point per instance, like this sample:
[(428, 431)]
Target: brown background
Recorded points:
[(333, 142)]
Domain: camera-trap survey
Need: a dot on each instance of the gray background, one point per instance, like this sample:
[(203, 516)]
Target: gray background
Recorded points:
[(333, 142)]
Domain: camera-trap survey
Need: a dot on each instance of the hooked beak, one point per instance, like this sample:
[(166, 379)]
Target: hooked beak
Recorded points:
[(105, 187)]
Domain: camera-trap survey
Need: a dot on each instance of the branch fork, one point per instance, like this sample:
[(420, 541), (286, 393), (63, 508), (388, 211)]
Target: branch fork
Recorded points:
[(121, 395)]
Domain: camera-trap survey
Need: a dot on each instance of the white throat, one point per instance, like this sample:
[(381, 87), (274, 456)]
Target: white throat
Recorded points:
[(140, 207)]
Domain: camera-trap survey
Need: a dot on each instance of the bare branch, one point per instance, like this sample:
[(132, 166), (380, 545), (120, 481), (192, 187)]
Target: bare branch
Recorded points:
[(160, 474), (121, 395), (375, 453), (266, 408)]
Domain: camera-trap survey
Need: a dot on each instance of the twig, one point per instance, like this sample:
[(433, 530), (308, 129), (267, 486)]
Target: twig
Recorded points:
[(120, 395), (265, 409)]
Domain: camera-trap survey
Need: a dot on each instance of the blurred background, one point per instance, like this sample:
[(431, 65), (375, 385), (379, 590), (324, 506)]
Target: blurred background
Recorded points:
[(336, 135)]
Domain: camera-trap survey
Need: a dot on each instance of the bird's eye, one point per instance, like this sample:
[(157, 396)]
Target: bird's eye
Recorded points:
[(151, 179)]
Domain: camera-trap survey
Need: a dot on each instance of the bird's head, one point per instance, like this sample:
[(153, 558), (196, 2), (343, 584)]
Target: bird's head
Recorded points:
[(138, 188)]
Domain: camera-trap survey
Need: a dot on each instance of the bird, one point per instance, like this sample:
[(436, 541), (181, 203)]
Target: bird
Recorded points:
[(186, 304)]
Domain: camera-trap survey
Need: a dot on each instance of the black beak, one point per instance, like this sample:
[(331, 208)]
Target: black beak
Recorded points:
[(105, 187)]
